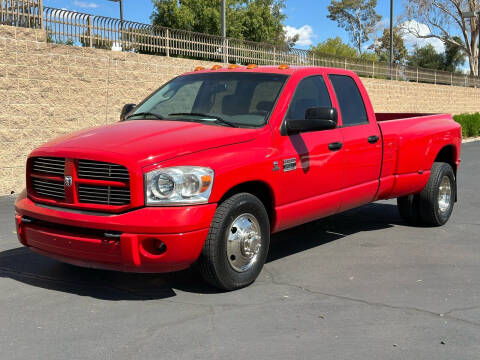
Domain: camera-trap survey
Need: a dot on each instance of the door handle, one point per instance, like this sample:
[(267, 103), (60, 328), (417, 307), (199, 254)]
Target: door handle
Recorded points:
[(373, 139), (335, 146)]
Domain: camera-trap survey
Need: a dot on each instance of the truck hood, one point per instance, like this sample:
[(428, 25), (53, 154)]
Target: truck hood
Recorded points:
[(144, 142)]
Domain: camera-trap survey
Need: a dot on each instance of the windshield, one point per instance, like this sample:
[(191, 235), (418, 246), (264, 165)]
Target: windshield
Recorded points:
[(225, 98)]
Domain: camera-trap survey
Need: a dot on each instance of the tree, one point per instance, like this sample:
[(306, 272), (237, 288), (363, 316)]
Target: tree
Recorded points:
[(382, 46), (441, 19), (454, 55), (357, 17), (335, 46), (426, 57), (253, 20)]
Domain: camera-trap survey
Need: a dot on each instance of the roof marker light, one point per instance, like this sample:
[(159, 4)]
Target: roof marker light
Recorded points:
[(199, 68), (284, 67), (252, 66), (216, 67), (233, 66)]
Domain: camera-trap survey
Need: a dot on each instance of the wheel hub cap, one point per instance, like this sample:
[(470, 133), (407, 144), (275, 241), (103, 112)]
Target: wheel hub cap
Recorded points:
[(243, 242), (444, 194)]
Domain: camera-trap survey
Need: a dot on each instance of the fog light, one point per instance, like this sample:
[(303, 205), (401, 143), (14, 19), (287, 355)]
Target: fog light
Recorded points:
[(154, 246)]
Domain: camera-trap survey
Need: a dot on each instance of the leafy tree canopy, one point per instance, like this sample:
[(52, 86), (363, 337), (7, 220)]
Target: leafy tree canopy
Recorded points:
[(427, 57), (357, 17), (382, 47), (336, 47), (254, 20)]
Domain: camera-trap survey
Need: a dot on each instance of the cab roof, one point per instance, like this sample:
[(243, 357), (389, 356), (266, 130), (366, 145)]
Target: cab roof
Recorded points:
[(276, 70)]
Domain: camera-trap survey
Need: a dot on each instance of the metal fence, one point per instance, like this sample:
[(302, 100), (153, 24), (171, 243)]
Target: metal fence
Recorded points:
[(80, 29), (24, 13)]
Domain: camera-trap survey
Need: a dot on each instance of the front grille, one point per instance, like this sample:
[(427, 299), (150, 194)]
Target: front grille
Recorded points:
[(49, 188), (107, 195), (88, 169), (93, 182), (49, 165)]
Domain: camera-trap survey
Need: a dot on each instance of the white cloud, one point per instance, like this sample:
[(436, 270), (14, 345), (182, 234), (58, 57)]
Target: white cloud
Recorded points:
[(411, 40), (85, 5), (305, 34)]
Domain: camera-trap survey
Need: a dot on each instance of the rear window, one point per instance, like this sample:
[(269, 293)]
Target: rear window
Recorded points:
[(350, 100)]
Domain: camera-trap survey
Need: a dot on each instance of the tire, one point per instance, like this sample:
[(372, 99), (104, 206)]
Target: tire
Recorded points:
[(435, 209), (409, 209), (223, 254)]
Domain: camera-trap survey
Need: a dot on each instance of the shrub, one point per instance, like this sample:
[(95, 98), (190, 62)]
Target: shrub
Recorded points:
[(470, 124)]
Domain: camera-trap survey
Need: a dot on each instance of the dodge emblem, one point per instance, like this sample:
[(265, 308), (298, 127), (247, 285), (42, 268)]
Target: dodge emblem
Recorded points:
[(68, 181)]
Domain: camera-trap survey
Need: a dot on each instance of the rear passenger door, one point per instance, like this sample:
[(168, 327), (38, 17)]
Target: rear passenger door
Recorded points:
[(362, 144)]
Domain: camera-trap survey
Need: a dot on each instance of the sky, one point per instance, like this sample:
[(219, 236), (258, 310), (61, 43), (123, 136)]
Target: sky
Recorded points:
[(306, 17)]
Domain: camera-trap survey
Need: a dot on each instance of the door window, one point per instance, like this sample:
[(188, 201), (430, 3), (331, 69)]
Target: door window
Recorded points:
[(350, 100), (311, 92)]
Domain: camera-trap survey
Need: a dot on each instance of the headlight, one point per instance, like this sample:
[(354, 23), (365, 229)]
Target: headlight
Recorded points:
[(180, 185)]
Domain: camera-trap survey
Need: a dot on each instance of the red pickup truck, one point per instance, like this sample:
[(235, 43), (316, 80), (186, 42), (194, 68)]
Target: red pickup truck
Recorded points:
[(213, 162)]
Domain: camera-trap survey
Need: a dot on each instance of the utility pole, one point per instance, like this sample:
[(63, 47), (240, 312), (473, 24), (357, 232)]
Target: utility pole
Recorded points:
[(224, 32), (391, 32)]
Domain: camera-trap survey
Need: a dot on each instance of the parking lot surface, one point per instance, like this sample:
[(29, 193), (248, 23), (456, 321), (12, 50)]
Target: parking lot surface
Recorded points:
[(358, 285)]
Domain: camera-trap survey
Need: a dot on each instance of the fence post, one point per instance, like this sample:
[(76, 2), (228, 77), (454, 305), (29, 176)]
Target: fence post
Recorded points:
[(345, 64), (167, 42), (417, 74), (40, 13), (465, 80), (373, 69), (313, 59), (274, 55), (451, 79), (396, 72), (225, 50), (90, 35), (435, 73)]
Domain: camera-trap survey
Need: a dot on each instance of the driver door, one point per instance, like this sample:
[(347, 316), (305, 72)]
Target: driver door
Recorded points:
[(310, 164)]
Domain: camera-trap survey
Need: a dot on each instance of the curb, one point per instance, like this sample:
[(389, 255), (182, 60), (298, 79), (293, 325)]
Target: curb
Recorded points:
[(471, 139)]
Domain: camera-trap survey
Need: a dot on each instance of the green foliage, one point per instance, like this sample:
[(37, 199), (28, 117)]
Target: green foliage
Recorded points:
[(454, 55), (470, 124), (382, 47), (427, 57), (336, 47), (357, 17), (253, 20)]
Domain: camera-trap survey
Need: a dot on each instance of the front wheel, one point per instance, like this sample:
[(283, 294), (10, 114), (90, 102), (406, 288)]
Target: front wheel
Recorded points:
[(237, 243)]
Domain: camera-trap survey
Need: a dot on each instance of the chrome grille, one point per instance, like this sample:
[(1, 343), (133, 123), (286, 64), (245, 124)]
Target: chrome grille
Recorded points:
[(88, 169), (107, 195), (49, 188), (49, 165)]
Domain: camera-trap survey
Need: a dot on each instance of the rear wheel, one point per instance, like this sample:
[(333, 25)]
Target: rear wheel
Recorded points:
[(237, 243), (434, 204), (438, 196)]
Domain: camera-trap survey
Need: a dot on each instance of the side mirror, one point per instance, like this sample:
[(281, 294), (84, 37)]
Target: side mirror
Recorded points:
[(126, 110), (318, 118)]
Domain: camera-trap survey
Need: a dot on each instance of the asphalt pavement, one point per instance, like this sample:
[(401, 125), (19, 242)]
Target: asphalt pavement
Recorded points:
[(358, 285)]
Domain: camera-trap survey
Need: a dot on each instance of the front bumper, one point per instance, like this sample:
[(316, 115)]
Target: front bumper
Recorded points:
[(85, 238)]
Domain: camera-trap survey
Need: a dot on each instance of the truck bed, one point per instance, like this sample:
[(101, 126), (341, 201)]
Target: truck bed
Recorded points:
[(410, 143)]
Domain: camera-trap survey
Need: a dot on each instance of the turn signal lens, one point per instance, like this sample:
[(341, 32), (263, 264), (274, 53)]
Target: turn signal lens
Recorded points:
[(199, 68), (252, 66), (233, 66), (284, 67), (216, 67)]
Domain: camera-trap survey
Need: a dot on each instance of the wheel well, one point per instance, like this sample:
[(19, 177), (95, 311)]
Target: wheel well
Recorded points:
[(259, 189), (448, 155)]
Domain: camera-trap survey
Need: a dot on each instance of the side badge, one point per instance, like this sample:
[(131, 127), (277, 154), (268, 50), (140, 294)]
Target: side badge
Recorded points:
[(289, 164), (275, 166)]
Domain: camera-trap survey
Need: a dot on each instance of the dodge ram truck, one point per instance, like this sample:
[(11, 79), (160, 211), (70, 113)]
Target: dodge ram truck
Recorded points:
[(207, 167)]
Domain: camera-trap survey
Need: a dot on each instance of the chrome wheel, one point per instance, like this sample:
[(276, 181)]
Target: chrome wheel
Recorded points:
[(244, 241), (444, 194)]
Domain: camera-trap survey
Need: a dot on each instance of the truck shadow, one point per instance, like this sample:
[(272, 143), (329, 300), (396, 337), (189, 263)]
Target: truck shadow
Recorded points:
[(21, 264)]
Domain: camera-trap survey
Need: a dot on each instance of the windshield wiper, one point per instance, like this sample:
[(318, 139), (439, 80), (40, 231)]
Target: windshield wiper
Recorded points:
[(156, 116), (217, 118)]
